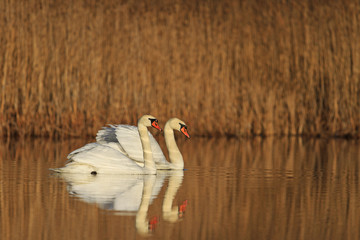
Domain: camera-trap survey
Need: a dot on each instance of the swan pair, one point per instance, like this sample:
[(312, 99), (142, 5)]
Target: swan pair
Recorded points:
[(125, 149)]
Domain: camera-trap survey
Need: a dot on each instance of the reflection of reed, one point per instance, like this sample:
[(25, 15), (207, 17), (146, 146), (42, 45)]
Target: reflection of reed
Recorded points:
[(251, 189), (279, 188)]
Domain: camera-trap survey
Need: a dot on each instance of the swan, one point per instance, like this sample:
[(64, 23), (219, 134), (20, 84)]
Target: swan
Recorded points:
[(96, 158), (125, 139)]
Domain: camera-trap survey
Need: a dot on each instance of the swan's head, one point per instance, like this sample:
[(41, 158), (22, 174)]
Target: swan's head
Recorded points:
[(179, 125), (149, 121)]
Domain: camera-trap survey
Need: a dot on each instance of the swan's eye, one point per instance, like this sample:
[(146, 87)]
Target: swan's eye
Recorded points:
[(182, 126), (183, 129), (154, 123)]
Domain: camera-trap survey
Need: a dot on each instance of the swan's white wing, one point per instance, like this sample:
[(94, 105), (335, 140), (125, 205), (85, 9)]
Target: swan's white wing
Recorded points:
[(107, 136), (84, 148), (104, 159), (129, 139)]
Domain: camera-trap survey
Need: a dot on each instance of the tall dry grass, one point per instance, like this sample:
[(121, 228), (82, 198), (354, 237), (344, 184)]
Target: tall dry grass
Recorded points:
[(224, 67)]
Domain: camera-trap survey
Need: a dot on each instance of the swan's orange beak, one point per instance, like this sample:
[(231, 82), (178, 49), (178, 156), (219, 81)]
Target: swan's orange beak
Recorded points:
[(185, 132), (156, 125)]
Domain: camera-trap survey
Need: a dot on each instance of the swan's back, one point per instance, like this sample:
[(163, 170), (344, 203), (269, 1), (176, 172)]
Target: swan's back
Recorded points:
[(128, 138), (101, 159)]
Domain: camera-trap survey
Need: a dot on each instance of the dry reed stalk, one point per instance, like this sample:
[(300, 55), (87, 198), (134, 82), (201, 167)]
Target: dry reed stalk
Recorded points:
[(225, 67)]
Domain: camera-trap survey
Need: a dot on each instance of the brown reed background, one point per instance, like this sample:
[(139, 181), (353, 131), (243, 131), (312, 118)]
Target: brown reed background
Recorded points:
[(236, 68)]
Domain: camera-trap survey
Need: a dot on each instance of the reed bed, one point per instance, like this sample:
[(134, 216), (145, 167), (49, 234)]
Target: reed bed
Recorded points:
[(234, 68)]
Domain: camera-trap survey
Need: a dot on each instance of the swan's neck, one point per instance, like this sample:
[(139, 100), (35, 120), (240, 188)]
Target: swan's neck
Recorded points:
[(174, 153), (141, 216), (170, 213), (149, 163)]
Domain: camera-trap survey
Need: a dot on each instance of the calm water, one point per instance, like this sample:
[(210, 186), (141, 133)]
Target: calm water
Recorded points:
[(287, 188)]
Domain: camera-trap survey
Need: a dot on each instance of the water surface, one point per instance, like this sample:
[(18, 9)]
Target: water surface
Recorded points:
[(289, 188)]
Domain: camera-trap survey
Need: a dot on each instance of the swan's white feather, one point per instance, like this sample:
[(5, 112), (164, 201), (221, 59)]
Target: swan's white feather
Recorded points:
[(128, 139), (102, 159), (107, 136), (82, 149)]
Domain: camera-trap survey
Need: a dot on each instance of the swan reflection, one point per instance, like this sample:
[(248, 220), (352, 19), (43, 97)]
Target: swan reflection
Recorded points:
[(170, 213), (129, 195)]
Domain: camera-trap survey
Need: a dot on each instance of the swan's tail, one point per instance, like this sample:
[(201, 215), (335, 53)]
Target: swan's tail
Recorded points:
[(75, 167), (57, 170)]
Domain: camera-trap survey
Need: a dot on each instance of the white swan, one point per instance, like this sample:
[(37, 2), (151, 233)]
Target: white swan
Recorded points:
[(126, 139), (96, 158)]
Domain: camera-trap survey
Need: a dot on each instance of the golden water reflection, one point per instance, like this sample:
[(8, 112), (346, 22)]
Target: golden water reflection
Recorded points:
[(290, 188), (129, 195)]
